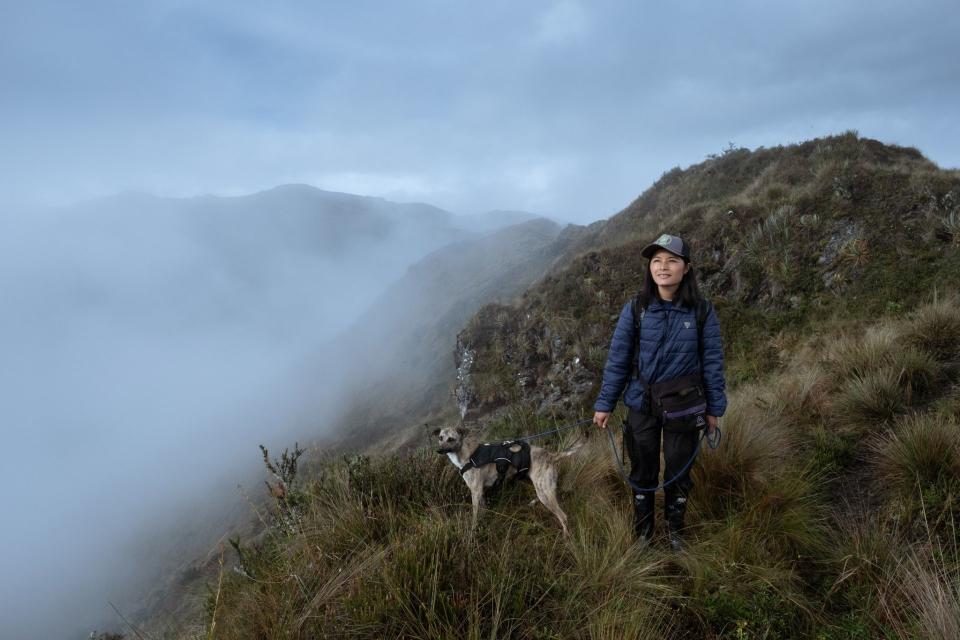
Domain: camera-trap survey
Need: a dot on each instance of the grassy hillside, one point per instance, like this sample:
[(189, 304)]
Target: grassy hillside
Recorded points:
[(829, 510)]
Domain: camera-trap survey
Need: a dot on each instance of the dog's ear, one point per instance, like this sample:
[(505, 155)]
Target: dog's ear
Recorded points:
[(462, 431), (435, 432)]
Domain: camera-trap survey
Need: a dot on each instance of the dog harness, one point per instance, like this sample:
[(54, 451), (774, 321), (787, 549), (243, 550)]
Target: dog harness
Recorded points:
[(515, 453)]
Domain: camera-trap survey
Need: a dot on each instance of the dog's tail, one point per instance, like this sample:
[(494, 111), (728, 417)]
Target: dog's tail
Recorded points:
[(572, 449)]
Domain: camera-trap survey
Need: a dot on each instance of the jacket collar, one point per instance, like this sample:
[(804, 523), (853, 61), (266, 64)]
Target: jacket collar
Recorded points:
[(657, 305)]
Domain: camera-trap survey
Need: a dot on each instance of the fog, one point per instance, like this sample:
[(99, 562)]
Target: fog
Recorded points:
[(147, 346)]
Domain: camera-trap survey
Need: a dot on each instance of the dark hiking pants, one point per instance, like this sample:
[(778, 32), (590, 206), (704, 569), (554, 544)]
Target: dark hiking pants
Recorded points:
[(642, 435)]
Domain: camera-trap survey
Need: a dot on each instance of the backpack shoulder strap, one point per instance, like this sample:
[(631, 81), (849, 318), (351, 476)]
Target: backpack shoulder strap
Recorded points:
[(703, 310), (638, 311)]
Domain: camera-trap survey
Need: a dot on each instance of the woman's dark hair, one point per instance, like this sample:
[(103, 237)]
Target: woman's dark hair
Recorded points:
[(688, 293)]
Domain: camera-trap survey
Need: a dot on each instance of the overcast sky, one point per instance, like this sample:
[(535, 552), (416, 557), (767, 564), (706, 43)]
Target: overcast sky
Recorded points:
[(563, 108)]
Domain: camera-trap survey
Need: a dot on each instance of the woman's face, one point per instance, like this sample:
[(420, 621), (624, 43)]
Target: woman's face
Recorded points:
[(667, 269)]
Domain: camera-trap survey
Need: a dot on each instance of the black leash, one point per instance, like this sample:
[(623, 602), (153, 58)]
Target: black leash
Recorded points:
[(557, 430), (712, 442), (431, 443)]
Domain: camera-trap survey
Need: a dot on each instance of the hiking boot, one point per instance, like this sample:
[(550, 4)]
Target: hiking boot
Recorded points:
[(674, 510), (643, 516)]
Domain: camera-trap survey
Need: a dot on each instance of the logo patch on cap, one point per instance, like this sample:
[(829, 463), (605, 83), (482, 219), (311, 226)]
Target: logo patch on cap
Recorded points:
[(663, 240)]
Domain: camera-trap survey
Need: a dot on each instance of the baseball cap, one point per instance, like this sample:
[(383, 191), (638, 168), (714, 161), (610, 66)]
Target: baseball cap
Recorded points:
[(673, 244)]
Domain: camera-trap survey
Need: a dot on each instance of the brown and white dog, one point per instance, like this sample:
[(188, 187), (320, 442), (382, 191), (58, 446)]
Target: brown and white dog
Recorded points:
[(458, 444)]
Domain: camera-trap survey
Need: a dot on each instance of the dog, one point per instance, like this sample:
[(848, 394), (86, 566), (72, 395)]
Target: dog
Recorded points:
[(458, 445)]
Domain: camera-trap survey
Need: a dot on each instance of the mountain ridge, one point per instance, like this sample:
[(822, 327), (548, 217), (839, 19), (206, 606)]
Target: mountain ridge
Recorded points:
[(784, 220)]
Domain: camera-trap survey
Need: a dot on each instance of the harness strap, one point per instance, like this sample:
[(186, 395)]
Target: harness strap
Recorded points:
[(502, 455)]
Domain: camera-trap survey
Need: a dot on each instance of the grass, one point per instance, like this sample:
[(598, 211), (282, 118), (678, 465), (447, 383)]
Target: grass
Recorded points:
[(843, 382), (920, 457), (382, 547), (376, 561), (935, 328), (902, 588), (880, 374)]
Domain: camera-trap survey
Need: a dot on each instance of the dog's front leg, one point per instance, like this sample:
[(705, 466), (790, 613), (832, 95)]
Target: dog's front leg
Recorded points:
[(476, 495)]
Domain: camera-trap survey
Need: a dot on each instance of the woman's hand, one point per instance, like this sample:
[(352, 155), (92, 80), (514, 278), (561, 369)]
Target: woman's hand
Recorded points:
[(600, 418), (712, 422)]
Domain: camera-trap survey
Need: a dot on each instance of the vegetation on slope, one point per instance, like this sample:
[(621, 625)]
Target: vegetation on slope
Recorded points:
[(780, 545), (784, 240), (828, 510)]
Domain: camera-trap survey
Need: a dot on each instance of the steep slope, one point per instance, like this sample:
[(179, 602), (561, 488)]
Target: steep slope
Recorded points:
[(400, 367), (783, 239)]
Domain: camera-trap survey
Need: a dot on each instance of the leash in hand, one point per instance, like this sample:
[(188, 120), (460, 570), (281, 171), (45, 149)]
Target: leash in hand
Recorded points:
[(713, 441)]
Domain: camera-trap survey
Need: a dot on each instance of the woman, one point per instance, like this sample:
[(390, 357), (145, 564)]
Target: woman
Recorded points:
[(676, 334)]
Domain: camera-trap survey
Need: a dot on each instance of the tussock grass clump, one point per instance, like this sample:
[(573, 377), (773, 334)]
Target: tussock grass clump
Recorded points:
[(864, 552), (756, 444), (872, 399), (893, 587), (439, 584), (851, 355), (930, 585), (796, 398), (604, 551), (746, 570), (876, 396), (920, 450), (935, 328), (893, 366)]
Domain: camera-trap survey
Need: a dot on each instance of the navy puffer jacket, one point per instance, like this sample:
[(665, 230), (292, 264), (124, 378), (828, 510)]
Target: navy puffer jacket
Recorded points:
[(668, 349)]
